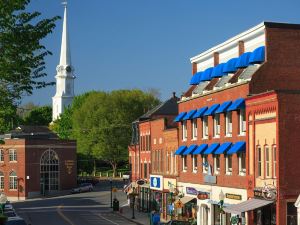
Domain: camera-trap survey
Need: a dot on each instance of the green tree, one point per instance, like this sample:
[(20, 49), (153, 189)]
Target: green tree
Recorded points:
[(22, 58), (41, 116)]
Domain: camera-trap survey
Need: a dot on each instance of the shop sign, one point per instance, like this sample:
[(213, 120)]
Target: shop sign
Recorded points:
[(69, 165), (203, 195), (233, 196), (209, 179), (268, 192), (191, 191), (140, 182), (156, 182)]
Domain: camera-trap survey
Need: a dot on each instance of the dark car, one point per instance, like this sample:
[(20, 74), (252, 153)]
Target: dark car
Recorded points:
[(10, 213), (15, 221)]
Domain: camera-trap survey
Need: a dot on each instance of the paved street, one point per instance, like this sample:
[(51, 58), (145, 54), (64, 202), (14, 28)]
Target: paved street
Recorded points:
[(86, 208)]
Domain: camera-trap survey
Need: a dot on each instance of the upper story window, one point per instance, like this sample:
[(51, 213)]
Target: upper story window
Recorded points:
[(184, 163), (228, 124), (154, 141), (184, 131), (242, 121), (204, 164), (12, 155), (228, 164), (13, 181), (242, 164), (267, 161), (194, 129), (259, 161), (216, 164), (205, 127), (217, 125), (195, 163), (160, 140), (274, 160), (1, 180), (1, 155)]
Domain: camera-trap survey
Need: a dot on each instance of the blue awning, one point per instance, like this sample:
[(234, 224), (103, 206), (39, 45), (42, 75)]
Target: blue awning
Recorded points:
[(229, 67), (211, 110), (237, 147), (200, 112), (179, 117), (257, 56), (190, 150), (200, 149), (237, 104), (196, 78), (243, 60), (218, 71), (180, 150), (189, 115), (211, 148), (223, 148), (206, 75), (223, 107)]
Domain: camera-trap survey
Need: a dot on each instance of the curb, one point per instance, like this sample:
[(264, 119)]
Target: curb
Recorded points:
[(131, 220)]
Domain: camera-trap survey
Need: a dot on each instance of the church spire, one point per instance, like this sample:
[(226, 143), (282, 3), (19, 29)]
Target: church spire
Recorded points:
[(65, 55)]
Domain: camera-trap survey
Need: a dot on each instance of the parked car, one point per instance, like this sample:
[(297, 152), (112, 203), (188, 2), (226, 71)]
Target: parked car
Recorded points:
[(15, 221), (91, 180), (84, 187), (10, 213), (175, 222)]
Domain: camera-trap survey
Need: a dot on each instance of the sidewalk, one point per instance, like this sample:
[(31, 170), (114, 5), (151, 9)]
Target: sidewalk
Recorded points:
[(140, 217)]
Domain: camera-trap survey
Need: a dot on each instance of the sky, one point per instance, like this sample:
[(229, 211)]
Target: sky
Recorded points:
[(145, 44)]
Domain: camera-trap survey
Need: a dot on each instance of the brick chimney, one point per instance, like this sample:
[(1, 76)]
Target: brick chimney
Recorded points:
[(194, 68), (241, 47), (216, 58)]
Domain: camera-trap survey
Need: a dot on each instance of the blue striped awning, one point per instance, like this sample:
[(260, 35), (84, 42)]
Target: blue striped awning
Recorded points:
[(189, 115), (211, 110), (180, 150), (223, 107), (196, 78), (229, 67), (179, 117), (211, 148), (200, 149), (243, 60), (218, 71), (200, 112), (223, 148), (237, 147), (206, 75), (190, 150), (257, 56), (237, 104)]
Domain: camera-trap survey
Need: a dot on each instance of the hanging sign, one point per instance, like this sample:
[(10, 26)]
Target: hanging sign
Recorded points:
[(203, 195), (191, 191), (156, 182), (140, 182), (233, 196)]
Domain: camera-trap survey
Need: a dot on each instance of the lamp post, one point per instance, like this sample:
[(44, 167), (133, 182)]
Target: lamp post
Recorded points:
[(110, 181), (132, 196), (221, 198)]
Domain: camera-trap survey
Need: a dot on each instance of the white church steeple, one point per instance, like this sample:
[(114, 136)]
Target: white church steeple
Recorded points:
[(64, 75)]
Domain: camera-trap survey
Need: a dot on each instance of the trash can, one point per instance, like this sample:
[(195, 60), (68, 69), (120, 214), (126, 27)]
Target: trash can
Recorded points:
[(115, 205)]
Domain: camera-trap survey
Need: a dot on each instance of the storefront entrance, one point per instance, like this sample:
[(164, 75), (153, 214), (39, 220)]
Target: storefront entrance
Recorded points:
[(265, 215)]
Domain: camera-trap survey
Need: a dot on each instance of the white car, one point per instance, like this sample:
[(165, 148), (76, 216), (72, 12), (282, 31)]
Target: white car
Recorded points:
[(84, 187)]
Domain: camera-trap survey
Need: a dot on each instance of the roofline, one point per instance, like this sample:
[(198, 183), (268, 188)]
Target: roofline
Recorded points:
[(282, 25)]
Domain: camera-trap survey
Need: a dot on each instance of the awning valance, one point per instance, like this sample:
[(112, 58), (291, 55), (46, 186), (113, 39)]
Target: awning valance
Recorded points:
[(237, 104), (223, 148), (190, 150), (243, 60), (196, 78), (223, 107), (180, 116), (237, 147), (206, 75), (189, 115), (200, 149), (229, 67), (218, 71), (246, 206), (200, 112), (211, 110), (180, 150), (211, 148), (257, 56)]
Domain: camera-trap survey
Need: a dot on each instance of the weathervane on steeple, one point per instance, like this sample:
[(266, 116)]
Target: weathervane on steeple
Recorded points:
[(64, 3)]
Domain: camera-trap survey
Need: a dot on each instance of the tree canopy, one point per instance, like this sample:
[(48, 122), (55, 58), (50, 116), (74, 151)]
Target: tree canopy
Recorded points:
[(22, 58), (41, 116)]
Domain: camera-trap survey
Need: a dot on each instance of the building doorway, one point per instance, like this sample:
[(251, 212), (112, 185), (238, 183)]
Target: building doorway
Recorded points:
[(49, 169)]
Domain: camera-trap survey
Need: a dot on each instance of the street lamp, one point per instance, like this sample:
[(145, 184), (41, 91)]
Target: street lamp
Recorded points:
[(221, 198), (110, 181)]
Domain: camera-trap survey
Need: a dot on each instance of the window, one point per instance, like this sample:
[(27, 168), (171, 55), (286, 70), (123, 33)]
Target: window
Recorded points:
[(242, 164), (13, 181), (154, 141), (259, 162), (242, 121), (204, 163), (205, 127), (1, 180), (49, 169), (194, 129), (217, 164), (195, 163), (184, 131), (267, 161), (217, 125), (274, 161), (175, 162), (228, 124), (160, 140), (12, 155), (167, 162), (145, 170), (1, 155), (228, 164), (184, 163)]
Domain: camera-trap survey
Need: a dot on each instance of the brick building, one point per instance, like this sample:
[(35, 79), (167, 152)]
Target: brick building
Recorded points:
[(33, 162), (218, 158)]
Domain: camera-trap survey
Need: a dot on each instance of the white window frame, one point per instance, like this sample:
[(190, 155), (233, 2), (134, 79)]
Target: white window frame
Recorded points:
[(242, 156), (205, 127), (274, 159), (259, 161), (13, 181), (216, 169), (195, 160), (184, 131), (267, 161), (217, 126), (228, 121), (242, 122), (13, 155), (184, 163), (204, 160), (228, 169), (194, 129)]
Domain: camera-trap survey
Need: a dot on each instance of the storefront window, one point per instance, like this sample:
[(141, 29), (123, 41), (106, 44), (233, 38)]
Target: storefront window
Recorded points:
[(291, 215), (216, 164), (217, 213)]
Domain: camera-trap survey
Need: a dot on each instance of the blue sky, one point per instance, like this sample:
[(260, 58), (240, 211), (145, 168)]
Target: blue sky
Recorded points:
[(123, 44)]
